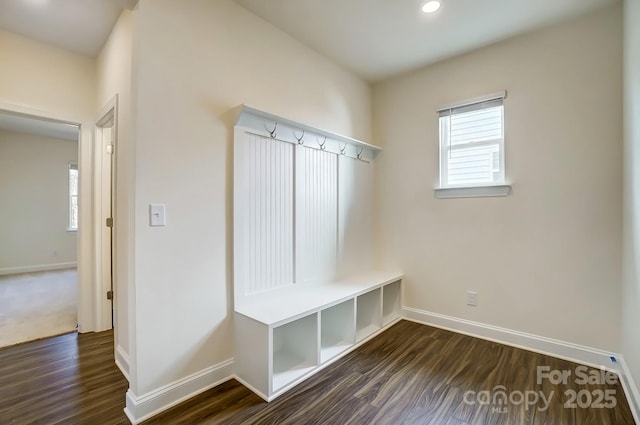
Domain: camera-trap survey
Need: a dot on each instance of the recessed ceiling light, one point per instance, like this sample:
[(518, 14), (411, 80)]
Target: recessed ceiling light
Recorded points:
[(431, 6)]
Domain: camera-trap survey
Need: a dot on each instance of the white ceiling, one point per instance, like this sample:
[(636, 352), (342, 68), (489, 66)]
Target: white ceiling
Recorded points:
[(374, 38), (81, 26), (380, 38), (40, 127)]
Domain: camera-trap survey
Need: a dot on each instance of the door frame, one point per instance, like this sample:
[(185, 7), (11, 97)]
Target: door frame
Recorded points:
[(90, 307), (84, 257), (104, 308)]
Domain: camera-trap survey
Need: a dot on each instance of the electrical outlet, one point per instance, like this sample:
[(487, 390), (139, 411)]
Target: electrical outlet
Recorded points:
[(472, 298)]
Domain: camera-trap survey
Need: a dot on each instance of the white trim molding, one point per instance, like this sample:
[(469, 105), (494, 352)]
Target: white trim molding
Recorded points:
[(39, 114), (38, 268), (631, 390), (539, 344), (141, 408), (103, 308), (270, 126), (472, 191), (122, 361), (487, 97), (552, 347)]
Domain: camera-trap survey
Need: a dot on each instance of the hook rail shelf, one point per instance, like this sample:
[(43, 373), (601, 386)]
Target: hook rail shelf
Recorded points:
[(272, 126)]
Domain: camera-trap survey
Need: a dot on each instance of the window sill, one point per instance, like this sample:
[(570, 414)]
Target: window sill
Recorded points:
[(72, 230), (472, 192)]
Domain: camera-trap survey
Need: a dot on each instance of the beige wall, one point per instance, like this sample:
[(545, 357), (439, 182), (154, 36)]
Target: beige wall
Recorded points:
[(42, 80), (34, 189), (631, 282), (546, 259), (194, 61), (114, 65), (47, 78)]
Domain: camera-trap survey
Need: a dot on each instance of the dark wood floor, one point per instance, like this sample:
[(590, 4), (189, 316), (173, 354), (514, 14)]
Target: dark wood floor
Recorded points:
[(411, 374), (68, 379)]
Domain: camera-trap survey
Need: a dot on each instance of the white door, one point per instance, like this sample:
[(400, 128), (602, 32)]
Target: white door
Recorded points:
[(106, 226)]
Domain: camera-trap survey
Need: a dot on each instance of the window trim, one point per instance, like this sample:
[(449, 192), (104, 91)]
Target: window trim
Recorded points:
[(72, 166), (484, 191), (486, 98), (467, 190)]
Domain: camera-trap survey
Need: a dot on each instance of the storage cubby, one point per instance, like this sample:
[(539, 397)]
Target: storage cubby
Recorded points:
[(295, 350), (368, 314), (284, 336), (337, 329), (391, 303)]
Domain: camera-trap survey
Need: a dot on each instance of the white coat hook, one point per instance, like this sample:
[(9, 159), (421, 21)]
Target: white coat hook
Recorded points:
[(272, 133), (359, 154), (301, 139), (343, 149), (323, 143)]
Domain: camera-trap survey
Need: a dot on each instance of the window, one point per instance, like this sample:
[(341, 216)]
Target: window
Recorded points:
[(73, 197), (472, 144)]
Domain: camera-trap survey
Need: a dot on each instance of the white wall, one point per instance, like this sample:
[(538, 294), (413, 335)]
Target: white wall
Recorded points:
[(34, 189), (194, 61), (546, 259), (114, 78), (47, 81), (631, 258)]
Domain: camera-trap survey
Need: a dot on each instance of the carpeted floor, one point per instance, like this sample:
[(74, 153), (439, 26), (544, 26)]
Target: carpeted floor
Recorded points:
[(37, 305)]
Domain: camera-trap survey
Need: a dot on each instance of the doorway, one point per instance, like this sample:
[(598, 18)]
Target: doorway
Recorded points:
[(38, 227)]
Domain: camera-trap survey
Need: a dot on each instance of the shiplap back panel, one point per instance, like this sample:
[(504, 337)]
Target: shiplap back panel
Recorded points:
[(263, 213), (316, 214), (355, 216), (303, 201)]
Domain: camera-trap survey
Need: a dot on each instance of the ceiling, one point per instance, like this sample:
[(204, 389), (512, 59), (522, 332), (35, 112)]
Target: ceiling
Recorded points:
[(379, 38), (374, 38), (40, 127), (81, 26)]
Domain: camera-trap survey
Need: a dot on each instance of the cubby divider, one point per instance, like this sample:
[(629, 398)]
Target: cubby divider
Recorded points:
[(368, 318), (337, 329), (391, 303)]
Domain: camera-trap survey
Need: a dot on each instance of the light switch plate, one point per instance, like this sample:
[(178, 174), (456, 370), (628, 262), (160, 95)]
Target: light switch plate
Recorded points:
[(157, 215)]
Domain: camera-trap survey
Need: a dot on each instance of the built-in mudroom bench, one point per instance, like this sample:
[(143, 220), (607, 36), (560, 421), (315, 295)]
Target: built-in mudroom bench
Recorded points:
[(306, 289), (288, 334)]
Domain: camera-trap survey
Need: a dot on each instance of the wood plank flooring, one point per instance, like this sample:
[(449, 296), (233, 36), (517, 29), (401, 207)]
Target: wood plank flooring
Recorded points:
[(68, 379), (411, 374)]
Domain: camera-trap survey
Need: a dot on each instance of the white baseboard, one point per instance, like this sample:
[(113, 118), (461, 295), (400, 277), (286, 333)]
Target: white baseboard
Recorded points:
[(38, 268), (122, 361), (141, 408), (539, 344), (251, 388), (631, 390), (552, 347)]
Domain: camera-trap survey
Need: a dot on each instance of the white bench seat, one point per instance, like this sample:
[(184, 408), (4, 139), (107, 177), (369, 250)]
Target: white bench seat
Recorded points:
[(279, 306), (285, 335)]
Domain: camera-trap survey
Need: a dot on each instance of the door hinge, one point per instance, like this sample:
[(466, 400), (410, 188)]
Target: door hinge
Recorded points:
[(109, 295), (110, 222)]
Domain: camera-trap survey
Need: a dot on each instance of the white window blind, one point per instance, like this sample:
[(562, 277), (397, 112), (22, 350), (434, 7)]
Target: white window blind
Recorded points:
[(472, 144)]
